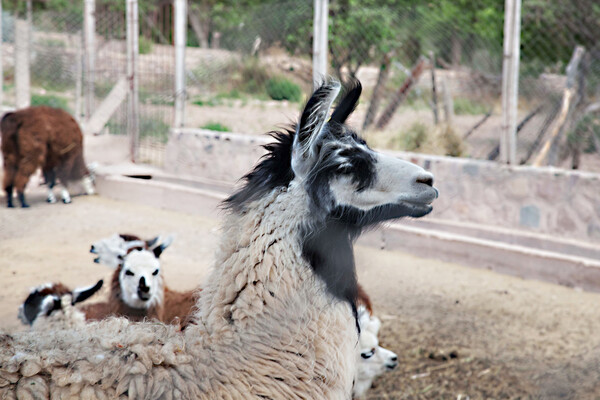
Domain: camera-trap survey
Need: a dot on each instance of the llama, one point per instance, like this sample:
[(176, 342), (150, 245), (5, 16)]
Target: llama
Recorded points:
[(372, 359), (138, 290), (42, 137), (277, 316), (48, 300)]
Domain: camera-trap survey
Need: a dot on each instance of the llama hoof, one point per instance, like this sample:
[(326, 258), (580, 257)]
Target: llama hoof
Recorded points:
[(51, 199), (24, 205), (67, 200), (10, 205)]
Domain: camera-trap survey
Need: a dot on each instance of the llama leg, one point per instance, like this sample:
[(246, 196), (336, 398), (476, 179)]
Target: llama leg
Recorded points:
[(66, 197), (8, 184), (9, 196), (50, 177), (26, 169)]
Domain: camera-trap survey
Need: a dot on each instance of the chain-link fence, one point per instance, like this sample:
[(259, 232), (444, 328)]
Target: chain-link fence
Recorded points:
[(431, 71)]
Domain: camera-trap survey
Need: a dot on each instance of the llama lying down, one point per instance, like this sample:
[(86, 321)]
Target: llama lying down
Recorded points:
[(138, 290), (277, 316), (47, 301), (373, 360)]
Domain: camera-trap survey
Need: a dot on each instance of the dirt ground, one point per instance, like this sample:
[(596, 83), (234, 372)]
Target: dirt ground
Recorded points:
[(459, 332)]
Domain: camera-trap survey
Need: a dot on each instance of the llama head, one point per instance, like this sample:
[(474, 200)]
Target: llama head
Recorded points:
[(344, 178), (140, 279), (372, 359), (111, 250), (46, 299)]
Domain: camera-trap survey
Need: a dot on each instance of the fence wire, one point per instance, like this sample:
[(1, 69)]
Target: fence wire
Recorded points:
[(431, 71)]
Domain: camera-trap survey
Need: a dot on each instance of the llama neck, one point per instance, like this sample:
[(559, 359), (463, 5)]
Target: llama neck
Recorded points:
[(264, 305)]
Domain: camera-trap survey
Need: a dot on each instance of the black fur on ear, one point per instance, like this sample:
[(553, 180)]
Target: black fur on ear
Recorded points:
[(82, 294), (160, 248), (150, 243), (348, 103)]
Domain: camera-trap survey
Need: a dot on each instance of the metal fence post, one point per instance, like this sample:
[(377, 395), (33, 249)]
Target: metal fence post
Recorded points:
[(133, 37), (78, 75), (1, 68), (22, 78), (320, 28), (510, 81), (89, 21), (180, 43)]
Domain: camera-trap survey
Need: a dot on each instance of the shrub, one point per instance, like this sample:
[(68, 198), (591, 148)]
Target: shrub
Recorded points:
[(216, 126), (155, 128), (145, 45), (582, 136), (280, 88), (253, 76), (467, 106), (50, 100), (414, 138), (449, 141)]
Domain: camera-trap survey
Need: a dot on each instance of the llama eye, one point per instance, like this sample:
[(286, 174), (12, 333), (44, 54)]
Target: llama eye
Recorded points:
[(128, 272), (155, 272), (368, 354)]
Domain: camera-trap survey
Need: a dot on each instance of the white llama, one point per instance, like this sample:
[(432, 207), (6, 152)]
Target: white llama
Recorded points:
[(277, 317)]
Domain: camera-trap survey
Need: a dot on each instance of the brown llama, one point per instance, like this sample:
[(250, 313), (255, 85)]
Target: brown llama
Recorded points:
[(47, 138)]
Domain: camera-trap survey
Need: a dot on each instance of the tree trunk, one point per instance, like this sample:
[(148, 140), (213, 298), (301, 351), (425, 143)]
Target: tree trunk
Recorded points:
[(456, 49), (384, 73), (201, 35), (400, 96)]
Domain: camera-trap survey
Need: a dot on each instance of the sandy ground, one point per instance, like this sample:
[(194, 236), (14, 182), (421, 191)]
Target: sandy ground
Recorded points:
[(458, 331)]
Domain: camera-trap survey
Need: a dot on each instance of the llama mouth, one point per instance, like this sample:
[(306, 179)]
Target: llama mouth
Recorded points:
[(143, 296), (97, 260)]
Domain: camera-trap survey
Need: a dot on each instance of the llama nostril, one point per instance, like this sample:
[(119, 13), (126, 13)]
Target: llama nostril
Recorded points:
[(142, 286), (427, 180), (395, 358)]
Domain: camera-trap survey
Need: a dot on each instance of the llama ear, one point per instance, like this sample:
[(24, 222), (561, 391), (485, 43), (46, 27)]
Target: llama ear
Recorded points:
[(348, 103), (310, 127), (82, 294), (150, 243), (160, 248)]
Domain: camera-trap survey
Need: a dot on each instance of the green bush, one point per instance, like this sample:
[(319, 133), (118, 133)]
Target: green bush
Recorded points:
[(252, 76), (50, 100), (145, 45), (155, 128), (467, 106), (280, 88), (216, 126), (582, 136), (414, 138)]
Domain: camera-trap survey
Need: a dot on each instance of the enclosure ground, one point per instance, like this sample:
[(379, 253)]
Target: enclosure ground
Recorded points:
[(458, 331)]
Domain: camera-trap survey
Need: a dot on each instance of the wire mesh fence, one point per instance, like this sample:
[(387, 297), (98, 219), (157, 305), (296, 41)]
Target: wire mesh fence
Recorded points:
[(431, 71)]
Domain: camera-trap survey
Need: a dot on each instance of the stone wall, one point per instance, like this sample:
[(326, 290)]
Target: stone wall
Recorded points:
[(555, 202)]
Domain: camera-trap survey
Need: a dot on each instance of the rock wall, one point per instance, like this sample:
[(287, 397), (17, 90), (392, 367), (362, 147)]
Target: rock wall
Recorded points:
[(548, 201)]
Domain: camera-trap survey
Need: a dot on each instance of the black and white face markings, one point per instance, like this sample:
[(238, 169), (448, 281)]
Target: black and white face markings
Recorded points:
[(45, 299)]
